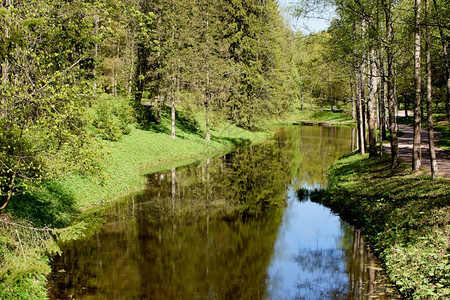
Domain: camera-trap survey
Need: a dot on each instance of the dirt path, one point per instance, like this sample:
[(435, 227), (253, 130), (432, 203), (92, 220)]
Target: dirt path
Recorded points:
[(405, 145)]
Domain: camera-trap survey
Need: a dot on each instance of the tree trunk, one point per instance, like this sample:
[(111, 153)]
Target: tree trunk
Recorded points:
[(417, 153), (172, 98), (359, 119), (132, 59), (390, 83), (353, 99), (207, 115), (444, 41), (382, 102), (363, 83), (301, 100), (371, 105), (362, 91), (433, 163)]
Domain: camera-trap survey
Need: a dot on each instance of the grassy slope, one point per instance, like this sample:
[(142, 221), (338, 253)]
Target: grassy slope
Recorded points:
[(405, 216), (24, 260), (317, 116)]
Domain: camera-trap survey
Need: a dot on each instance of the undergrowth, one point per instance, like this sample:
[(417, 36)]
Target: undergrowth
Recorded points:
[(406, 218), (24, 256)]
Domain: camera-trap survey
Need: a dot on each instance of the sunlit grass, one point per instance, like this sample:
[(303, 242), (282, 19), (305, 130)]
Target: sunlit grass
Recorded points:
[(316, 115)]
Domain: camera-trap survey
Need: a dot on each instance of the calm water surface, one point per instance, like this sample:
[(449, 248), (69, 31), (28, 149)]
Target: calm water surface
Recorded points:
[(179, 240)]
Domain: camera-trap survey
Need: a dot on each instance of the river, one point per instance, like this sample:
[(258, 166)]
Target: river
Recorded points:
[(181, 239)]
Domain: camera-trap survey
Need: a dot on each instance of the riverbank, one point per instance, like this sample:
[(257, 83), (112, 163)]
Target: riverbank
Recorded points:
[(25, 248), (317, 116), (404, 216)]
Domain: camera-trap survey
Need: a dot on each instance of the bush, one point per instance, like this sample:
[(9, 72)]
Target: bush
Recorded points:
[(112, 117)]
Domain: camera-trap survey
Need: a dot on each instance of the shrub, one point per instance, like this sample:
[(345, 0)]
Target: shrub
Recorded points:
[(112, 117)]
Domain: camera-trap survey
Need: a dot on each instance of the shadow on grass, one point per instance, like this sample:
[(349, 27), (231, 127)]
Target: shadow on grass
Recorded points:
[(187, 123), (155, 128), (184, 122), (444, 142), (50, 206), (405, 120)]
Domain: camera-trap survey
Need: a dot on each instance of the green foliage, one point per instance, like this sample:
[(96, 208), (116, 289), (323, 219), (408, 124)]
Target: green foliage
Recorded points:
[(324, 74), (112, 117), (404, 216), (23, 260)]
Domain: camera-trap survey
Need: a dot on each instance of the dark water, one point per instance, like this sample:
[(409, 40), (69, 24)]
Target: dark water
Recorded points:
[(180, 239)]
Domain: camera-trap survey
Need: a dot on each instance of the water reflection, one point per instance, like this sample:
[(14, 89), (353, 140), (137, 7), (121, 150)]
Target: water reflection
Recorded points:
[(229, 228), (318, 256)]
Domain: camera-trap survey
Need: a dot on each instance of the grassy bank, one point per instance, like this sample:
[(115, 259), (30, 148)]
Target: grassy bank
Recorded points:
[(405, 217), (316, 115), (24, 249)]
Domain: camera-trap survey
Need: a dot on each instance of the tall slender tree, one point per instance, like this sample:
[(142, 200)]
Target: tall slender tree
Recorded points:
[(433, 162), (389, 44), (417, 153)]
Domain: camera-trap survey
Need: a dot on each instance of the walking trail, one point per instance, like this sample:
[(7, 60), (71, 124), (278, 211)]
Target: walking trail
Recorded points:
[(405, 147)]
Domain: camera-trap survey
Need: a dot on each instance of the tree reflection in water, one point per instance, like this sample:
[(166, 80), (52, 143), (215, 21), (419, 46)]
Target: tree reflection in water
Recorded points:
[(213, 229)]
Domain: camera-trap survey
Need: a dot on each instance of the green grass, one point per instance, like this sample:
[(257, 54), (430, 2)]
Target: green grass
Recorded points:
[(405, 217), (315, 115), (444, 142)]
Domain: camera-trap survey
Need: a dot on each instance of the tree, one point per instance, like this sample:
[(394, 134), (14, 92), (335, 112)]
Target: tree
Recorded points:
[(417, 153), (42, 132), (433, 163), (441, 12), (387, 8)]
